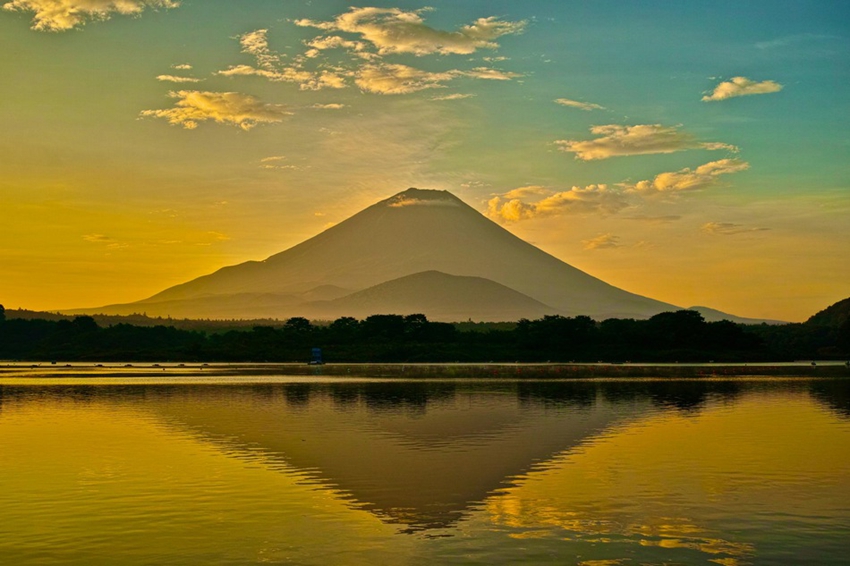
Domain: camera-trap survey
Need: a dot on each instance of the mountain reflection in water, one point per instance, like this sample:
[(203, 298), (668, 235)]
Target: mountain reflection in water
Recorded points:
[(598, 464)]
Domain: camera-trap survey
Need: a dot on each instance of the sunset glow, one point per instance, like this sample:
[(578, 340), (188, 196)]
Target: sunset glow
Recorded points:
[(694, 154)]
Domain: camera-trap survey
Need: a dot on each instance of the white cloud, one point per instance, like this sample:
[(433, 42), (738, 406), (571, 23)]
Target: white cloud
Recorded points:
[(182, 67), (333, 42), (741, 86), (615, 140), (330, 106), (176, 79), (511, 207), (687, 179), (269, 66), (110, 243), (392, 30), (728, 229), (399, 79), (586, 106), (61, 15), (456, 96), (407, 201), (256, 43), (272, 158), (234, 108), (490, 74), (601, 242), (525, 192)]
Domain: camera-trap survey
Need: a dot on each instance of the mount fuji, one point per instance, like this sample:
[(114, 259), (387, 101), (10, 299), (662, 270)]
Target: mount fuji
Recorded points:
[(419, 251)]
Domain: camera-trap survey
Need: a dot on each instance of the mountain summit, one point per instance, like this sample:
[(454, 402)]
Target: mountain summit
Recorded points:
[(413, 232)]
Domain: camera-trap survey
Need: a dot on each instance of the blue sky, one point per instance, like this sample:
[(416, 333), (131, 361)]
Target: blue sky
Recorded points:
[(692, 152)]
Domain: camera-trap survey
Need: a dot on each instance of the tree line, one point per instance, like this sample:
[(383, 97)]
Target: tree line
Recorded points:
[(681, 336)]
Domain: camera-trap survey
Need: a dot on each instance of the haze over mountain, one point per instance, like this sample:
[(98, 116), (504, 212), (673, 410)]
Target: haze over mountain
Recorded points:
[(418, 251)]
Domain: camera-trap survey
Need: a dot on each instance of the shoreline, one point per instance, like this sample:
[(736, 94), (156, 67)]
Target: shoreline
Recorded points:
[(40, 370)]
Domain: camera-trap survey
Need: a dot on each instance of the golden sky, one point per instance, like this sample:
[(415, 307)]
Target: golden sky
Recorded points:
[(693, 154)]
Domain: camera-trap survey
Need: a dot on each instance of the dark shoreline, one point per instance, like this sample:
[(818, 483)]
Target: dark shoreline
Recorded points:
[(37, 370)]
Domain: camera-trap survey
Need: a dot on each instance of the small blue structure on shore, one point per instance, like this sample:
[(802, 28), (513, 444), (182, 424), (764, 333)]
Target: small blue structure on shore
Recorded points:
[(316, 358)]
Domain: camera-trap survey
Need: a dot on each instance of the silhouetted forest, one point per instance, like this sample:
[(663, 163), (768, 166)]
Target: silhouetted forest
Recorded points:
[(682, 336)]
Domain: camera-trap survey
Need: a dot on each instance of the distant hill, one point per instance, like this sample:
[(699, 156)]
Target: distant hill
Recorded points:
[(412, 232), (834, 315), (437, 295)]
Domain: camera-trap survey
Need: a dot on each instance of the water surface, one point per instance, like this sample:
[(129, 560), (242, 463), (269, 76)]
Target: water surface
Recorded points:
[(319, 471)]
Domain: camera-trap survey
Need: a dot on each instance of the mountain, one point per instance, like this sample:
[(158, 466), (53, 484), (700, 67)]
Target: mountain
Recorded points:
[(834, 315), (413, 232), (437, 295)]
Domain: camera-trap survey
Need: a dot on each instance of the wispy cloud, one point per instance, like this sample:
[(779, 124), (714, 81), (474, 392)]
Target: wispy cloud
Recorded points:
[(103, 239), (61, 15), (728, 229), (655, 219), (393, 30), (176, 79), (234, 108), (602, 242), (487, 73), (615, 140), (182, 67), (741, 86), (794, 40), (256, 43), (702, 177), (399, 79), (586, 106), (455, 96), (514, 206), (329, 106)]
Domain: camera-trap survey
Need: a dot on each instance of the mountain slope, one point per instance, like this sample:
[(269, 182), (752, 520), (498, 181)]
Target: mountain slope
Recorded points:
[(437, 295), (412, 232)]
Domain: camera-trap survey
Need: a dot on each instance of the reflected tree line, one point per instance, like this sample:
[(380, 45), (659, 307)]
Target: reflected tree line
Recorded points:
[(682, 336), (414, 397)]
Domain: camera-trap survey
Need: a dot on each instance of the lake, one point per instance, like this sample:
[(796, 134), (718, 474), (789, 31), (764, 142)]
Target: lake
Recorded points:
[(316, 470)]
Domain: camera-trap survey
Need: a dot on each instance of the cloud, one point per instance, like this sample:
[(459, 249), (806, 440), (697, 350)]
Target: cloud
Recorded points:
[(511, 207), (182, 67), (234, 108), (654, 219), (490, 74), (615, 140), (587, 106), (330, 106), (456, 96), (399, 79), (601, 242), (272, 158), (333, 42), (687, 179), (741, 86), (305, 79), (269, 66), (407, 201), (728, 229), (110, 243), (256, 43), (61, 15), (393, 30), (176, 79)]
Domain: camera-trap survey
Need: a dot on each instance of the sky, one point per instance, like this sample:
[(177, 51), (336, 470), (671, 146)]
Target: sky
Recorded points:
[(693, 152)]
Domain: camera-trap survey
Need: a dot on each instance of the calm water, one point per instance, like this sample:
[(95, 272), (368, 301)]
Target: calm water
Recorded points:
[(328, 472)]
